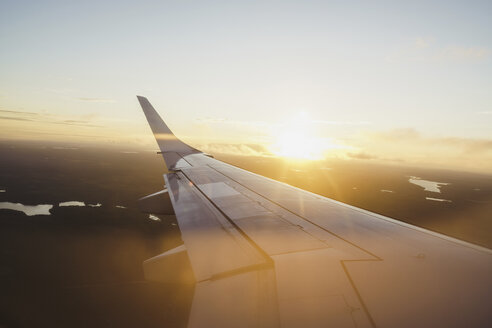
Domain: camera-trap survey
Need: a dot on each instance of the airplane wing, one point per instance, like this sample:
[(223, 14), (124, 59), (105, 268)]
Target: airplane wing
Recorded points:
[(266, 254)]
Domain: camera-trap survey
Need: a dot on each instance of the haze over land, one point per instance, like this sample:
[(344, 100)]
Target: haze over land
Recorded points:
[(53, 178)]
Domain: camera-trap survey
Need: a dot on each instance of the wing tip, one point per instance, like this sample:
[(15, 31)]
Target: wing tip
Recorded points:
[(144, 102)]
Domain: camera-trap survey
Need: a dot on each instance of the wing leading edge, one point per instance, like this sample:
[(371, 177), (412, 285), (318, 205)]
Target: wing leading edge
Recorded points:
[(267, 254)]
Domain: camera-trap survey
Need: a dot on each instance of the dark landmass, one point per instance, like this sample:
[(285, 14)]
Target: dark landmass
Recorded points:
[(82, 266)]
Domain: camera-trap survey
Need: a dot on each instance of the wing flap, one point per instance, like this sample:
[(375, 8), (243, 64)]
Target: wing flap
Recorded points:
[(214, 245), (248, 299)]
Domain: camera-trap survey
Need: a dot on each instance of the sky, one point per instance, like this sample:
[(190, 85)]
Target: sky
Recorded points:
[(394, 81)]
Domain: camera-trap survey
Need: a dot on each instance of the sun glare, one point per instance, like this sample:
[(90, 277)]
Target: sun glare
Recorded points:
[(295, 140), (298, 145)]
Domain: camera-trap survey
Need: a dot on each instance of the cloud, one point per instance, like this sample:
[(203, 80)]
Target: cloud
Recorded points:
[(15, 118), (341, 122), (233, 122), (396, 134), (468, 145), (411, 135), (260, 124), (96, 100), (70, 135), (485, 112), (425, 49), (423, 42), (361, 156), (17, 112), (76, 122), (462, 53), (15, 115), (235, 149), (414, 148)]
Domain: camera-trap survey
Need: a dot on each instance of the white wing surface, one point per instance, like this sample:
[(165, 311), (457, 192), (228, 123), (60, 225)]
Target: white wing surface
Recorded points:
[(266, 254)]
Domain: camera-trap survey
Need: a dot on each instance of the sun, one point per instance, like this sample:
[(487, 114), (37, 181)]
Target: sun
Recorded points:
[(300, 138), (298, 145), (297, 139)]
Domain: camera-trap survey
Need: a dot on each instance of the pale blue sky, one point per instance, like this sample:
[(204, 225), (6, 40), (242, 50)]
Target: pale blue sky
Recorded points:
[(375, 65)]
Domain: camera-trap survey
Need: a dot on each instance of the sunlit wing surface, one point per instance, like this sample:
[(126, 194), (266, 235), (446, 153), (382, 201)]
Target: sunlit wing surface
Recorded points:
[(267, 254)]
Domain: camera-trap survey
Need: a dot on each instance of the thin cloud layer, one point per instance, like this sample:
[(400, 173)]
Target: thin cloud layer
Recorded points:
[(96, 100), (412, 136), (43, 118), (235, 149), (426, 49), (413, 148), (407, 146)]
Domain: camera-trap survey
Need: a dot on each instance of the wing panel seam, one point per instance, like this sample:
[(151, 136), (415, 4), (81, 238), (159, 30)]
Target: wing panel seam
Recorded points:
[(267, 258), (302, 217)]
